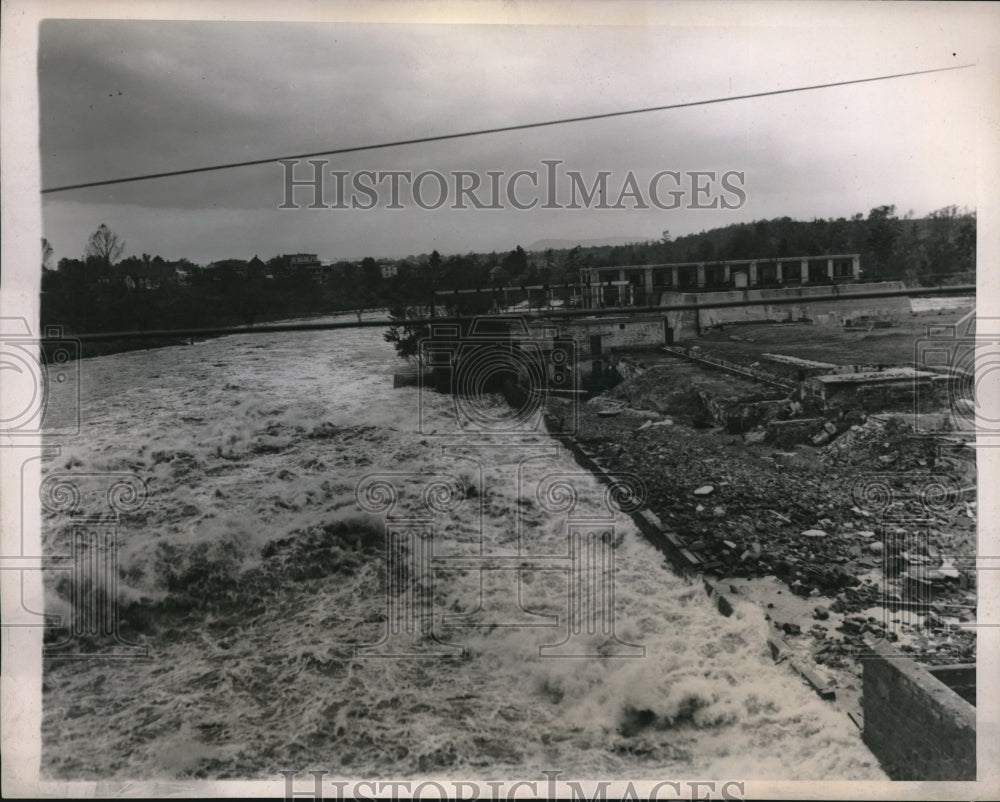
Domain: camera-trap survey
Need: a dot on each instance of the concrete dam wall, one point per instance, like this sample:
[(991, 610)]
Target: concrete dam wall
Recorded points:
[(831, 312)]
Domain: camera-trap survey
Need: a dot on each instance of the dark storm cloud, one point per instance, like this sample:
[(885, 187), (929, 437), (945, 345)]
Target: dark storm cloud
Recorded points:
[(123, 98)]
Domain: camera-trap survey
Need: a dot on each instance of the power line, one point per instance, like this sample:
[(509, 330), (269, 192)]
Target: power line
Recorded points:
[(484, 131)]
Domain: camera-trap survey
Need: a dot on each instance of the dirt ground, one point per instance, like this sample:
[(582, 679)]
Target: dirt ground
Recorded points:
[(887, 346)]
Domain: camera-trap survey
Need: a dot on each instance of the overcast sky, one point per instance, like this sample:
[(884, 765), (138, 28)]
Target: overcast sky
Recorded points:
[(120, 98)]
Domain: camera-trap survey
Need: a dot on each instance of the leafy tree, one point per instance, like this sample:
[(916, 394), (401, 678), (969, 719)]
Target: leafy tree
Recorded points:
[(515, 264), (883, 230), (574, 261), (432, 277), (404, 336), (966, 242), (371, 274)]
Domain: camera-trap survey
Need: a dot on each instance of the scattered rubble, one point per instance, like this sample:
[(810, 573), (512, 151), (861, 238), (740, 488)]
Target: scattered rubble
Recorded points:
[(814, 516), (661, 422)]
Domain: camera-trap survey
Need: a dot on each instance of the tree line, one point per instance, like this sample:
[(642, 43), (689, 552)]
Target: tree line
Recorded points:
[(104, 292)]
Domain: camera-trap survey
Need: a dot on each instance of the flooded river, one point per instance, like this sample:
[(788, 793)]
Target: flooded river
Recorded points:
[(517, 621)]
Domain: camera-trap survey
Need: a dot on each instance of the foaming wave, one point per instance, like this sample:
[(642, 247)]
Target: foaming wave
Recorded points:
[(252, 517)]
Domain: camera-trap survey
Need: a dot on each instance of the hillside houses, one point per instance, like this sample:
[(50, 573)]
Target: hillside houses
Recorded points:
[(238, 268), (145, 273), (140, 274), (149, 275)]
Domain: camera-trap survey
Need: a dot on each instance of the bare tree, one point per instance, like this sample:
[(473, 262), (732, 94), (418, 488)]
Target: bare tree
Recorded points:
[(104, 245)]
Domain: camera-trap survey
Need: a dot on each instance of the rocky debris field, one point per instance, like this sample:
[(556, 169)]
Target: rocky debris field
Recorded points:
[(877, 527)]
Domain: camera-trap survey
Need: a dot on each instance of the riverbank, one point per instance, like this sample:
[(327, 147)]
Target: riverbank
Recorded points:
[(94, 348)]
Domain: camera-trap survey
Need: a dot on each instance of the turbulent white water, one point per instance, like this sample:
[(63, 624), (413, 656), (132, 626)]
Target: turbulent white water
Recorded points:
[(247, 440)]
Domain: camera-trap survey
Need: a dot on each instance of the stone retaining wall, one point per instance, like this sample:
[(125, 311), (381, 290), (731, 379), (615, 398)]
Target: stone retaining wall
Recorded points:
[(917, 726)]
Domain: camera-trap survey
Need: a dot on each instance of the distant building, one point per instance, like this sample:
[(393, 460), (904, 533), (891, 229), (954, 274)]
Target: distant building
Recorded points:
[(304, 260), (616, 286), (338, 271), (148, 275), (228, 267), (389, 269), (495, 272)]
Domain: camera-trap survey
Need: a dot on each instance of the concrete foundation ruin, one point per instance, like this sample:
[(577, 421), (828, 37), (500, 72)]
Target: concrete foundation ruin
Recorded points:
[(916, 725)]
